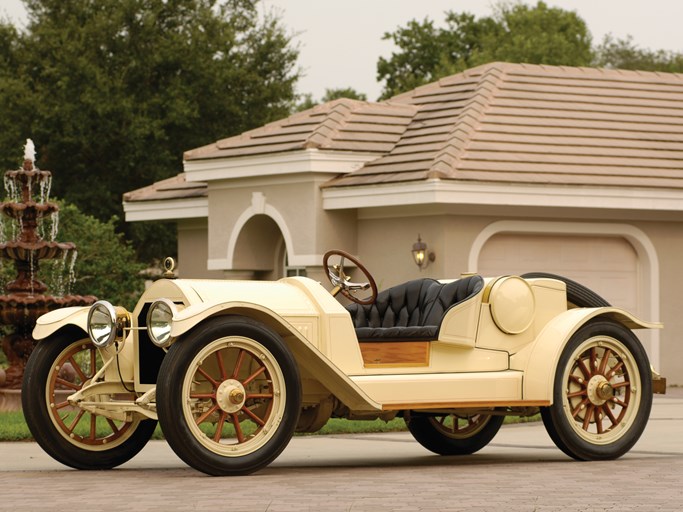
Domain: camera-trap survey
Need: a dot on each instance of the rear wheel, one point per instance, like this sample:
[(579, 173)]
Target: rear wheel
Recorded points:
[(454, 434), (578, 295), (228, 396), (58, 367), (602, 393)]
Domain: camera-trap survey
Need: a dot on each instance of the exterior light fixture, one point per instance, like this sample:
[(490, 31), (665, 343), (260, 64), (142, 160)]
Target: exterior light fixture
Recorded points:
[(421, 256)]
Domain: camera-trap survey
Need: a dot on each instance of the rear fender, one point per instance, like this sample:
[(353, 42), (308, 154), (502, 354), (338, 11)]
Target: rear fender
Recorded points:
[(306, 354), (51, 322), (539, 360)]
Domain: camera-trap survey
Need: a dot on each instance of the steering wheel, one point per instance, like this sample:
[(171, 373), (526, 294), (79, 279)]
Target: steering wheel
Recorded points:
[(341, 282)]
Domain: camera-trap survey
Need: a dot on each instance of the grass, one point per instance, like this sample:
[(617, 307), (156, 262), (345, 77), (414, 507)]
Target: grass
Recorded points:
[(13, 426)]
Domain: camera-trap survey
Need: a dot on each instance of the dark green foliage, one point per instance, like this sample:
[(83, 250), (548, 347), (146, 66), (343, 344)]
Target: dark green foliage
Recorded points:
[(306, 101), (514, 33), (626, 54), (345, 92), (160, 239), (106, 266), (15, 96), (113, 91)]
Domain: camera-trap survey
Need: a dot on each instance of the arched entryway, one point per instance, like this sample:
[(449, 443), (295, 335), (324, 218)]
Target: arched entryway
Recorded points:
[(260, 248)]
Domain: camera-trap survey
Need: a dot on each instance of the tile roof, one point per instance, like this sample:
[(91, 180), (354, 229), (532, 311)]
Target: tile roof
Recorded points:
[(171, 188), (343, 125), (539, 124), (500, 122)]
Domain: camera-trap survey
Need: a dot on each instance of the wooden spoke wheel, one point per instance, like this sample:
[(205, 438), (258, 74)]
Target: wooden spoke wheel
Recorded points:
[(454, 434), (58, 367), (602, 395), (229, 396)]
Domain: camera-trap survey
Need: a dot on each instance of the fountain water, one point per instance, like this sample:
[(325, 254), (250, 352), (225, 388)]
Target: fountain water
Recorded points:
[(25, 297)]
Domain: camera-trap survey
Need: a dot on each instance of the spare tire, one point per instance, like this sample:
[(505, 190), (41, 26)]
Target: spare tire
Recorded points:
[(577, 294)]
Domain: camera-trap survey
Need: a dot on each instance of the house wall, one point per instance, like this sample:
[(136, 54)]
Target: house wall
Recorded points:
[(193, 241), (668, 242), (294, 203), (385, 242), (385, 245)]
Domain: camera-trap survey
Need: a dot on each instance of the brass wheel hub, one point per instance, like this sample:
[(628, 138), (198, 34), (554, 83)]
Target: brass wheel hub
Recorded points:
[(599, 390), (230, 395)]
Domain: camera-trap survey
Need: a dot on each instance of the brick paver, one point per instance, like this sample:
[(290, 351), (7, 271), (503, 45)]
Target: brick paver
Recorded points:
[(519, 471)]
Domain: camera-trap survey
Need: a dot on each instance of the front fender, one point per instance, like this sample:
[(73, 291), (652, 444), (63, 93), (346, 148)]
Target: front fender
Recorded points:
[(51, 322), (193, 315), (307, 355), (539, 360)]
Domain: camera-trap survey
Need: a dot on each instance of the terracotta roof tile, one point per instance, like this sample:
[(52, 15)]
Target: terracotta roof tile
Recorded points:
[(539, 124), (171, 188), (515, 123), (343, 125)]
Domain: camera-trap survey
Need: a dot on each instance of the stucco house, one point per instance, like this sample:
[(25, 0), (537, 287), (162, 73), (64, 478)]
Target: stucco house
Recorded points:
[(501, 169)]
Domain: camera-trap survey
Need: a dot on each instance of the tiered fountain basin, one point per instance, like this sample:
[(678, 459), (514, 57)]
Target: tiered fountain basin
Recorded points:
[(25, 309), (29, 177), (17, 210), (27, 251)]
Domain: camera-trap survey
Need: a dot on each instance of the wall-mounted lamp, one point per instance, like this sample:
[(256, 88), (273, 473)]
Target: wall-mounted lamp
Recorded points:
[(421, 257)]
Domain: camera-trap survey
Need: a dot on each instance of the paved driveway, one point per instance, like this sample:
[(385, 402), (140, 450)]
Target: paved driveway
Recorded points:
[(521, 470)]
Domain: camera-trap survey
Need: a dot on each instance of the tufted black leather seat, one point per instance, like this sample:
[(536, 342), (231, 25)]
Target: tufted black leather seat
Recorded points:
[(412, 310)]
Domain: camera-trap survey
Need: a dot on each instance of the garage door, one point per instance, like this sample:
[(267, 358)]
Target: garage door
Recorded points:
[(607, 265)]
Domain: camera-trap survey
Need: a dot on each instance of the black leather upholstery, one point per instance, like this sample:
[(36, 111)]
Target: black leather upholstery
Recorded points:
[(412, 310)]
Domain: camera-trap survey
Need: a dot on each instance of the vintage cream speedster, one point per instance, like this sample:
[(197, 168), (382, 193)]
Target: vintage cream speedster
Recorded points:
[(232, 369)]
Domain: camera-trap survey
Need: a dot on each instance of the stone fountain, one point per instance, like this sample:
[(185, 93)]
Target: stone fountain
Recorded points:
[(26, 298)]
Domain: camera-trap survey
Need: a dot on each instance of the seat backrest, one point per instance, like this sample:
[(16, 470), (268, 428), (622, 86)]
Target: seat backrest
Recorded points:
[(416, 303), (440, 299), (398, 306)]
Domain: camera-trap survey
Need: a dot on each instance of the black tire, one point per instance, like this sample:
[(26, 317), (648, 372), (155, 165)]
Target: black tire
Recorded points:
[(577, 294), (602, 393), (56, 429), (230, 372), (454, 435)]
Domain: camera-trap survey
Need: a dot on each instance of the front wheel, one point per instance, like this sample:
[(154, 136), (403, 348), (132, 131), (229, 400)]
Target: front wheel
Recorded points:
[(602, 393), (229, 396), (59, 366), (454, 434)]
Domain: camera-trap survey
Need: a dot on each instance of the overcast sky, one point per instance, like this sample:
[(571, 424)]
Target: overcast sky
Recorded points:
[(341, 40)]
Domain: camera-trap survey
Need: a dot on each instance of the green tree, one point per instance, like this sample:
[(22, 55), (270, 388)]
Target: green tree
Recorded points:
[(513, 33), (106, 265), (113, 91), (626, 54), (14, 93), (306, 101), (345, 92)]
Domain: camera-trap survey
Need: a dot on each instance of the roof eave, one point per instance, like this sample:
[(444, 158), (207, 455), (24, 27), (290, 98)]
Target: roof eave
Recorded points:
[(461, 192)]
